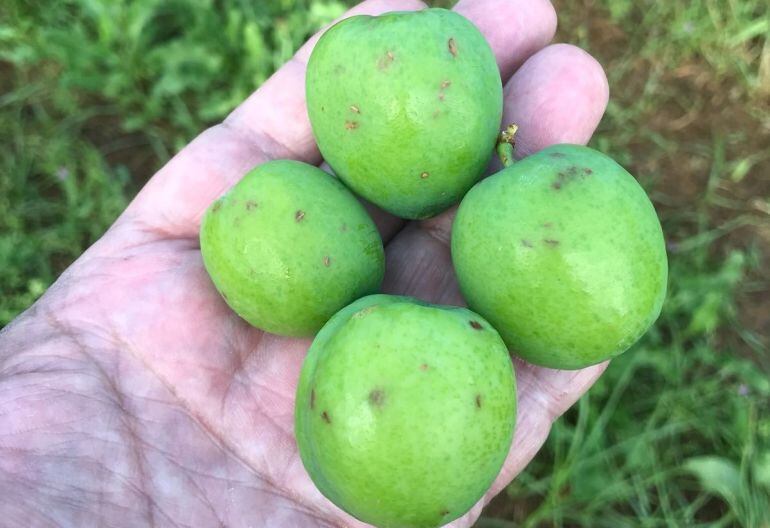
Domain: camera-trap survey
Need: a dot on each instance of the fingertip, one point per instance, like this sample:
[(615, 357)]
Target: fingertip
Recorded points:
[(514, 29), (558, 96)]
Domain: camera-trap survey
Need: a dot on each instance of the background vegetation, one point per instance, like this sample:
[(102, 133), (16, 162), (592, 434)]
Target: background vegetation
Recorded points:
[(96, 94)]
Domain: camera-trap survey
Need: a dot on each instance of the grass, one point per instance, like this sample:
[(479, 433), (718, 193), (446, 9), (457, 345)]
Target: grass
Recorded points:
[(95, 95)]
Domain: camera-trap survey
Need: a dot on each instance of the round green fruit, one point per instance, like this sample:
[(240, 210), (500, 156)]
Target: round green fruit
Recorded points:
[(563, 253), (288, 246), (405, 410), (405, 107)]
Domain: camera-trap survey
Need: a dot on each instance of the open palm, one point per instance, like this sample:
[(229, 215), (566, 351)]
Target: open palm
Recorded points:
[(131, 395)]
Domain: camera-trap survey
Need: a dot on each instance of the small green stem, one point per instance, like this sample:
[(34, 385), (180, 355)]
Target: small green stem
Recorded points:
[(505, 145)]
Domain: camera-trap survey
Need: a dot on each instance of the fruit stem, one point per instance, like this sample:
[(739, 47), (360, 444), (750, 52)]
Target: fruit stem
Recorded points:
[(505, 144)]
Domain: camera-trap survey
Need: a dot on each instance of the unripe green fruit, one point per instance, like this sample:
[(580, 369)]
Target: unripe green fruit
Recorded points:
[(405, 410), (563, 253), (288, 246), (405, 107)]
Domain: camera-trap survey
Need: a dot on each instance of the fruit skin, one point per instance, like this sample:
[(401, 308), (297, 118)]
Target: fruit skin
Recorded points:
[(405, 410), (288, 246), (563, 253), (405, 107)]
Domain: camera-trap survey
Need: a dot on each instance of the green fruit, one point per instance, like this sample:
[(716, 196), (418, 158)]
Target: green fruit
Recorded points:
[(405, 410), (563, 253), (405, 107), (288, 246)]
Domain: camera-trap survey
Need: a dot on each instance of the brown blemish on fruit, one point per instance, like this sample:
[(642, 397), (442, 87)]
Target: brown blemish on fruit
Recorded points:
[(556, 154), (526, 243), (351, 125), (476, 325), (478, 401), (424, 367), (551, 242), (548, 225), (568, 175), (299, 215), (327, 261), (452, 45), (424, 175), (325, 417), (377, 397), (445, 84), (443, 512), (312, 398), (385, 60), (355, 109), (344, 227), (436, 113), (441, 97), (217, 206), (586, 170), (362, 313), (251, 204)]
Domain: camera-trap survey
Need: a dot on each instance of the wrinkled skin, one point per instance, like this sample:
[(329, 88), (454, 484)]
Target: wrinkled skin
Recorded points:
[(288, 246), (130, 394), (575, 251), (405, 107), (405, 410)]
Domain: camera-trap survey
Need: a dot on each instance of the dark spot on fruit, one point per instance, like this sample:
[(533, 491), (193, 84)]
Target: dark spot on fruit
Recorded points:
[(441, 97), (452, 45), (351, 125), (339, 69), (443, 512), (217, 206), (526, 243), (312, 398), (476, 325), (557, 154), (445, 84), (250, 204), (436, 113), (377, 397), (385, 60), (424, 175), (566, 176), (586, 170), (344, 227), (551, 242), (478, 401), (355, 109), (548, 225), (424, 367), (299, 215), (362, 313), (327, 261), (325, 417)]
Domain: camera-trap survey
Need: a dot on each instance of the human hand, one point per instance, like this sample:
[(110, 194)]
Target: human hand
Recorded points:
[(130, 394)]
